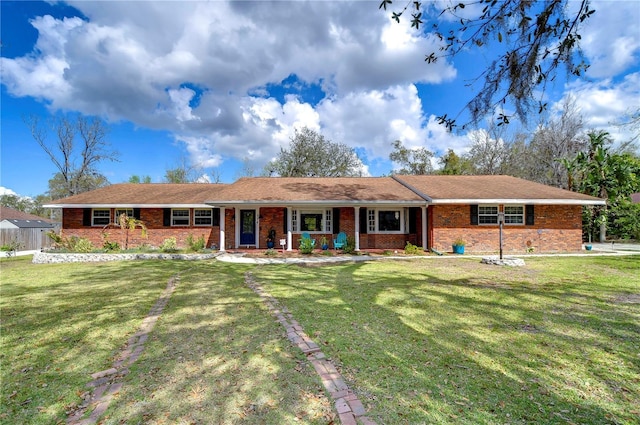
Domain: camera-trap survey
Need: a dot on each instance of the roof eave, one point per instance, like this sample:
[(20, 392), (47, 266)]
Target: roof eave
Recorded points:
[(521, 201), (175, 205), (340, 203)]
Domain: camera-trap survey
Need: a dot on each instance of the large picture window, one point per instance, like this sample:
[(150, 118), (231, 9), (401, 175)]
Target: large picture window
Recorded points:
[(318, 221), (385, 221), (203, 217), (100, 217), (180, 217)]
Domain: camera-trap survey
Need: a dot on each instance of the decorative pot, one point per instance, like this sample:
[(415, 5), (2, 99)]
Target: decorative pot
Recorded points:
[(270, 244), (458, 249)]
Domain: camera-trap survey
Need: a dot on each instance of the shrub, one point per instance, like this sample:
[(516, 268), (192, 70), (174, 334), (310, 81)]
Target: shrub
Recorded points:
[(195, 245), (111, 246), (306, 246), (169, 245), (271, 252), (81, 244), (350, 245), (411, 249)]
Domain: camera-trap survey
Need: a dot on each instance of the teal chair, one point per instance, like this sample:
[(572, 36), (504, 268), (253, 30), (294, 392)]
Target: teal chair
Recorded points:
[(305, 235), (340, 241)]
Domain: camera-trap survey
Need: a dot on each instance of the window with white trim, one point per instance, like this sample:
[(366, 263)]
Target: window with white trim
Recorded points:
[(385, 221), (318, 221), (487, 214), (120, 211), (100, 217), (180, 217), (203, 217), (514, 214)]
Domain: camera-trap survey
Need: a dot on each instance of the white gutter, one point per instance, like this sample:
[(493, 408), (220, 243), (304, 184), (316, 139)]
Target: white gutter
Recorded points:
[(519, 201), (122, 206)]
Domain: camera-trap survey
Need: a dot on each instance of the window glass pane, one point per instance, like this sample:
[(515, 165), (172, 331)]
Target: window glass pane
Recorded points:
[(514, 215), (311, 222), (119, 212), (179, 217), (389, 221), (203, 217), (487, 214), (101, 217), (371, 216)]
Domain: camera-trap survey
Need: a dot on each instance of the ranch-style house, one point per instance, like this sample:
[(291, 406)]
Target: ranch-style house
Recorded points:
[(379, 213)]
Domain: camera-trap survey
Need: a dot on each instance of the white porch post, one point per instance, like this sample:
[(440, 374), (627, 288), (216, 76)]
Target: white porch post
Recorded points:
[(289, 231), (424, 227), (357, 229), (223, 228)]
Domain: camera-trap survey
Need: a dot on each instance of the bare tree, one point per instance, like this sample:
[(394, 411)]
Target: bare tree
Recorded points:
[(76, 160)]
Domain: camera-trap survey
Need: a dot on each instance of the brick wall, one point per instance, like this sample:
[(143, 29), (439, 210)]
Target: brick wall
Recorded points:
[(556, 228), (156, 232)]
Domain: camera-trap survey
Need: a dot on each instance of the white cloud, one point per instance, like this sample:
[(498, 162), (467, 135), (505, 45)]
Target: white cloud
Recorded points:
[(7, 191)]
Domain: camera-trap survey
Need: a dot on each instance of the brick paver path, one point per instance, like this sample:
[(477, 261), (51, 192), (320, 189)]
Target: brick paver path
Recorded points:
[(107, 383), (349, 407)]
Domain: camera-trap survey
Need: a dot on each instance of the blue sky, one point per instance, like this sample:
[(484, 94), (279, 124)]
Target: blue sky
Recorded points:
[(218, 84)]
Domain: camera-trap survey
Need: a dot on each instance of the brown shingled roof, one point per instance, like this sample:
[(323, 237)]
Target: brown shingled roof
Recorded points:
[(143, 194), (7, 213), (465, 189), (330, 190)]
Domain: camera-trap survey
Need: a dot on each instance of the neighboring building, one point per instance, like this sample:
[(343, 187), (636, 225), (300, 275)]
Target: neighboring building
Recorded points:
[(378, 212), (27, 229)]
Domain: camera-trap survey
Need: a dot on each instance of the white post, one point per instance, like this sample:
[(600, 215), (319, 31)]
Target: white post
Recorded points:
[(357, 229), (223, 227), (289, 231), (424, 228)]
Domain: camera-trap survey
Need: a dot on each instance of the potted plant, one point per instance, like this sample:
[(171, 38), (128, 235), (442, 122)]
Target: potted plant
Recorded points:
[(271, 238), (324, 243), (458, 246)]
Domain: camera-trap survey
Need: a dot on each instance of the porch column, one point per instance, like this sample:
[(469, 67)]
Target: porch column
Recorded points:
[(237, 225), (223, 228), (424, 227), (289, 232), (357, 229)]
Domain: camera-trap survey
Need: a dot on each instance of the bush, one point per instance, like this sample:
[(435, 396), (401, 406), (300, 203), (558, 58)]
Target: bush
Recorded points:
[(111, 246), (169, 245), (271, 252), (195, 245), (350, 245), (411, 249), (306, 246), (81, 245)]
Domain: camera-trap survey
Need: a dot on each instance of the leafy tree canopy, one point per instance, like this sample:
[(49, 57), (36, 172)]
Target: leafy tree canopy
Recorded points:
[(534, 39), (411, 161), (311, 155)]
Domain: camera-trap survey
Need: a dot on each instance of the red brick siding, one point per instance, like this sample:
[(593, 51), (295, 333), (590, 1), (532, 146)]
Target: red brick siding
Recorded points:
[(153, 220), (556, 228)]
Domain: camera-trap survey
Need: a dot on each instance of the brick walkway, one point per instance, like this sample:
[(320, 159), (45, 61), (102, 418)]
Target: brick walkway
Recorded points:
[(349, 407), (107, 383)]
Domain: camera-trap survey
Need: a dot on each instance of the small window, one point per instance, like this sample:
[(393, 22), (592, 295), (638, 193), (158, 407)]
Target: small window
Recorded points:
[(180, 217), (514, 214), (119, 212), (100, 217), (488, 214), (203, 217)]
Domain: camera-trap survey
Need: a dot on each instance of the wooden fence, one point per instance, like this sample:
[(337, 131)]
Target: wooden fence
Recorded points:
[(29, 239)]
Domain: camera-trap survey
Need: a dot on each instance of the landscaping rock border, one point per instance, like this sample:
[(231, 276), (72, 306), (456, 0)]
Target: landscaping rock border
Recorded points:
[(50, 257), (506, 261)]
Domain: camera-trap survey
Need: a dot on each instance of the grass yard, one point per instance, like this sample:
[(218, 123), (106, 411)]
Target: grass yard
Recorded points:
[(457, 342), (438, 341), (215, 356)]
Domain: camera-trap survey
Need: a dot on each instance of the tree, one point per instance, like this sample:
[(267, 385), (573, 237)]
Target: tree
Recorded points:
[(606, 174), (553, 143), (76, 161), (185, 172), (311, 155), (412, 161), (452, 164), (534, 39), (488, 153), (137, 179)]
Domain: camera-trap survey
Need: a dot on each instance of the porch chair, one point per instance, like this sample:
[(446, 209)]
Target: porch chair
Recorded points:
[(305, 235), (340, 241)]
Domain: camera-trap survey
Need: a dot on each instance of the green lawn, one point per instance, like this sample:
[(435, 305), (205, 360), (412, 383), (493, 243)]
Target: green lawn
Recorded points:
[(443, 341), (455, 342)]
